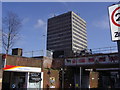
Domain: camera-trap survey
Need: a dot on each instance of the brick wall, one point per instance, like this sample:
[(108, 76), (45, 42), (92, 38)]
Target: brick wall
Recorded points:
[(43, 62), (47, 75), (23, 61), (0, 79), (47, 62), (58, 63)]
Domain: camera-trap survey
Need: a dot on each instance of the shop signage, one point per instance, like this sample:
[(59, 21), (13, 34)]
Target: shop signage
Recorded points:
[(52, 82), (114, 18), (21, 69), (0, 80), (35, 77), (102, 59), (35, 74)]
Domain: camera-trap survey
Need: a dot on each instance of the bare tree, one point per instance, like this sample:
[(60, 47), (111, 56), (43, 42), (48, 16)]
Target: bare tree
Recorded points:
[(11, 25)]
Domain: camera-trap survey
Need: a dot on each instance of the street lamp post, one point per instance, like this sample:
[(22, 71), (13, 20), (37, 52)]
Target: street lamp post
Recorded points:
[(44, 45), (80, 72), (62, 69), (80, 76), (75, 75)]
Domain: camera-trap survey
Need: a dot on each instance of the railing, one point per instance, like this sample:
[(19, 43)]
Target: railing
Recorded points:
[(104, 50), (38, 53), (47, 53)]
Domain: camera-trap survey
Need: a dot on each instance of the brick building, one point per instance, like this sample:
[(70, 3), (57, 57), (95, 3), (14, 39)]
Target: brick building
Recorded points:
[(24, 72), (89, 71)]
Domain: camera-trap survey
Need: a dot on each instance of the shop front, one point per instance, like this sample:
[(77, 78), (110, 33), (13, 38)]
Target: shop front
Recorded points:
[(22, 77)]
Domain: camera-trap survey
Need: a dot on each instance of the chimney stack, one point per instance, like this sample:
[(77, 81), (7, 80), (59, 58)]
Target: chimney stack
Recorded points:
[(17, 51)]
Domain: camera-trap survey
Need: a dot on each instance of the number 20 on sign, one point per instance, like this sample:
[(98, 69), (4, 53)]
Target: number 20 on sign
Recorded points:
[(114, 18)]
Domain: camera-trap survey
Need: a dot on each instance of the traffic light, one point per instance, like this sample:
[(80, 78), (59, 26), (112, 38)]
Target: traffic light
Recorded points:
[(60, 75), (65, 76)]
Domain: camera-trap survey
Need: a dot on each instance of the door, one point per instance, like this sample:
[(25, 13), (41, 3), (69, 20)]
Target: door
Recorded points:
[(94, 79)]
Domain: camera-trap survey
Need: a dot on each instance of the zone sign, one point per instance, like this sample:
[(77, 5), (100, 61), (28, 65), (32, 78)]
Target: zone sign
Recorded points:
[(114, 17)]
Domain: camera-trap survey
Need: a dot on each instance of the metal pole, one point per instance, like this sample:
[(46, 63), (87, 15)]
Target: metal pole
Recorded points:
[(27, 80), (44, 50), (32, 53), (80, 76), (118, 45), (75, 78), (76, 71), (62, 78)]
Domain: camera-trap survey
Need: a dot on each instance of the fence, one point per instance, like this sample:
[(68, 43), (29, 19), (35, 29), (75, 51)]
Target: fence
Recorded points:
[(105, 50), (38, 53), (47, 53)]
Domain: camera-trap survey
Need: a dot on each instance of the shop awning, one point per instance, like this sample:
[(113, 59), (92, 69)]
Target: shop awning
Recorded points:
[(21, 68)]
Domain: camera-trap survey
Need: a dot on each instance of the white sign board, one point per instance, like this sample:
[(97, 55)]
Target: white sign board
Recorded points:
[(114, 17), (21, 69)]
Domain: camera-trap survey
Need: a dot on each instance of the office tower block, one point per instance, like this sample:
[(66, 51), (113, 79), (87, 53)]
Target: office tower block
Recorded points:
[(66, 34)]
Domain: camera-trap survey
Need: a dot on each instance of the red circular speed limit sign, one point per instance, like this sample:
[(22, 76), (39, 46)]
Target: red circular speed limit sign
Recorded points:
[(115, 17)]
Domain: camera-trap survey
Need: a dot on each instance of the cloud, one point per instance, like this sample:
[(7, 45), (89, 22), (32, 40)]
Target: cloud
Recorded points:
[(40, 23), (102, 23), (25, 20)]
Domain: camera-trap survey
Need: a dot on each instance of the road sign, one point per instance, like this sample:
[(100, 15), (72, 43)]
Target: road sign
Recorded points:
[(114, 17)]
